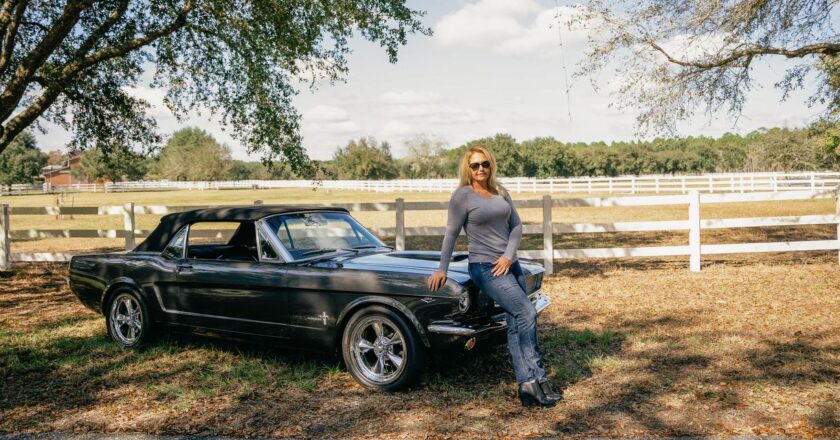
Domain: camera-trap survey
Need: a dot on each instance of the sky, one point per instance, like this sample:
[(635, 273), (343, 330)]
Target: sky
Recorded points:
[(492, 66)]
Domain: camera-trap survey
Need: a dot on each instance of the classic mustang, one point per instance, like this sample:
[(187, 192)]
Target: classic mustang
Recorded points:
[(305, 278)]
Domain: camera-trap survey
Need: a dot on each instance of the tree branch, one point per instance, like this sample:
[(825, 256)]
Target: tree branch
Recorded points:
[(22, 120), (36, 58), (113, 52), (97, 34), (8, 47), (6, 13), (830, 49), (15, 125)]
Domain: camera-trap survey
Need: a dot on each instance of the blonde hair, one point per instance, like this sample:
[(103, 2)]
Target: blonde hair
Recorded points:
[(465, 174)]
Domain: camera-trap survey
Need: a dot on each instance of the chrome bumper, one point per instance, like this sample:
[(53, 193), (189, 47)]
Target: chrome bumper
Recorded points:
[(540, 303)]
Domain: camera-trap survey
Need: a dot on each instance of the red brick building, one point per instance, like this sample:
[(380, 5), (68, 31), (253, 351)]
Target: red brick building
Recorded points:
[(62, 174)]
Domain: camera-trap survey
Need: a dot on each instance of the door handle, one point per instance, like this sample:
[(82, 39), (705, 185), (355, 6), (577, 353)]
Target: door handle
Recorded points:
[(184, 268)]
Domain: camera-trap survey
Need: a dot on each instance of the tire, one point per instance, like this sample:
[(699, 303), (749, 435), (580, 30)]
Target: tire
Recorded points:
[(127, 319), (369, 357)]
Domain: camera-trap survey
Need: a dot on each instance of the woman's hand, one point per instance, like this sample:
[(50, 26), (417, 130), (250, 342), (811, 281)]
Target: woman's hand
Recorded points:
[(436, 280), (502, 265)]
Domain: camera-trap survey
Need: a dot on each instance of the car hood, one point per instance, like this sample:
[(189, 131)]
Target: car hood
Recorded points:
[(424, 262)]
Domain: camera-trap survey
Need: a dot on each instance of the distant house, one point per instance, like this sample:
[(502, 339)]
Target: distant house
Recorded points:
[(62, 174)]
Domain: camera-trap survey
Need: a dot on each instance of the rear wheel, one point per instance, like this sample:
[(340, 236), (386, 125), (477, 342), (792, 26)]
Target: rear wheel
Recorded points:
[(127, 319), (381, 350)]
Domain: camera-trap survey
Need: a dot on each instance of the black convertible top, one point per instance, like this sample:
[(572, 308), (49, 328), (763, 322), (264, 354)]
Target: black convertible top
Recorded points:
[(172, 223)]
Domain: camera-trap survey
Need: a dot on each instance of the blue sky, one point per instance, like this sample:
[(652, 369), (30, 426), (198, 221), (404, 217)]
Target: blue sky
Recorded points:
[(492, 66)]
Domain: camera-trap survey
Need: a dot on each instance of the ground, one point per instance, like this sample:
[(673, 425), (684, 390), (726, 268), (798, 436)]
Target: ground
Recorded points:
[(640, 347)]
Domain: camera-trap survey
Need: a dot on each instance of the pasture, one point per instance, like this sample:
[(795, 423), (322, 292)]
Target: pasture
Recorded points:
[(641, 346)]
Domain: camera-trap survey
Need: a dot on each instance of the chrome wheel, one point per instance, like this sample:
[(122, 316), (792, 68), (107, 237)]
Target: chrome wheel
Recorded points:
[(378, 349), (126, 319)]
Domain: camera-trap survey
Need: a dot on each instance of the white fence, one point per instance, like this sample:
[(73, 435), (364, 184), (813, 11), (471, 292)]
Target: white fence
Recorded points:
[(693, 248), (651, 184)]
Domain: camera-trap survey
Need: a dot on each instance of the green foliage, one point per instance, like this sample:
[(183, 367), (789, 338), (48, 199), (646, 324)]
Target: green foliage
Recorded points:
[(671, 59), (243, 170), (364, 159), (21, 161), (114, 164), (776, 149), (73, 62), (193, 154)]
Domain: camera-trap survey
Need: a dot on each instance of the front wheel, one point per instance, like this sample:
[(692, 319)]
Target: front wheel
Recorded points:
[(381, 351), (127, 319)]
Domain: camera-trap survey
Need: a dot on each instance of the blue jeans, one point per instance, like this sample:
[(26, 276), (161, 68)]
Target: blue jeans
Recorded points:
[(509, 292)]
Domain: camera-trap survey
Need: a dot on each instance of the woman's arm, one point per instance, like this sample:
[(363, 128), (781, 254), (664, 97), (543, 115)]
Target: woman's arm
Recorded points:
[(455, 218), (515, 225)]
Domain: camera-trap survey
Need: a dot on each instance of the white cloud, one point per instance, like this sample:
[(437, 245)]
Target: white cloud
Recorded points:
[(328, 120), (409, 97), (425, 107), (325, 113), (396, 129), (515, 28)]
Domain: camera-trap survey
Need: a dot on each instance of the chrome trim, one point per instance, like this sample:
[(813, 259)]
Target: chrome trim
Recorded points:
[(451, 329), (282, 254), (540, 303)]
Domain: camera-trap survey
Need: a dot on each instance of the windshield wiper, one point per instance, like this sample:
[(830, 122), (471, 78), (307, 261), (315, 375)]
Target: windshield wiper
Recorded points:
[(317, 251)]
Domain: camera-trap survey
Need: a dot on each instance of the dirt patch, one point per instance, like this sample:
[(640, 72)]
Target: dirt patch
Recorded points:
[(641, 349)]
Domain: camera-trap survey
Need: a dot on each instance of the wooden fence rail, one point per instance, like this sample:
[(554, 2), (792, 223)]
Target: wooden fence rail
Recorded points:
[(694, 249), (653, 184)]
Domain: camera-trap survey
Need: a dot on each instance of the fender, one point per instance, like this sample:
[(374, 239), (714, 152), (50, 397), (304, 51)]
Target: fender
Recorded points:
[(117, 282), (365, 300)]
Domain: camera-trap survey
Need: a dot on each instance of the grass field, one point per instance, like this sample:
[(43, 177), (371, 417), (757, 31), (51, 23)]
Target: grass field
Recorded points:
[(640, 349), (420, 218)]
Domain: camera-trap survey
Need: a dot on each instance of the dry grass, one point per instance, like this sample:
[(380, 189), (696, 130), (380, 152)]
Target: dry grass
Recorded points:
[(642, 348)]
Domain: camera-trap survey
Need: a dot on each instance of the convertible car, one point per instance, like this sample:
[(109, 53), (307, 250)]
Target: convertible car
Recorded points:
[(301, 277)]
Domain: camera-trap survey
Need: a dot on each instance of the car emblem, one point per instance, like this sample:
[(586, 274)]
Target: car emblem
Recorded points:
[(427, 299)]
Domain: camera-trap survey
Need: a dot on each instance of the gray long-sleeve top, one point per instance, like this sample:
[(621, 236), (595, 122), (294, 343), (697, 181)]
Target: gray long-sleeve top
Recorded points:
[(492, 225)]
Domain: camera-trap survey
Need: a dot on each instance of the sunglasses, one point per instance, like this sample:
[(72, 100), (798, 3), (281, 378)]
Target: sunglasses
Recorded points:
[(485, 165)]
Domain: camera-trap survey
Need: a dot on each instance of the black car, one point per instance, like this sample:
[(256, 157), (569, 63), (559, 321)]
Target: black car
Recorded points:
[(301, 277)]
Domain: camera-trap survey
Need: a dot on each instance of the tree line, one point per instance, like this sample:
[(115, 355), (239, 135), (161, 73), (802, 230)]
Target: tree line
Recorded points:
[(193, 154)]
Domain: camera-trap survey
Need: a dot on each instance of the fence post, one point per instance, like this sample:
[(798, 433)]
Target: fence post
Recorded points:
[(836, 212), (399, 243), (694, 230), (548, 236), (5, 243), (128, 225)]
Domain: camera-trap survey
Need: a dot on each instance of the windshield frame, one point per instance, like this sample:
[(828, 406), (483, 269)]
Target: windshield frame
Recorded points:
[(287, 255)]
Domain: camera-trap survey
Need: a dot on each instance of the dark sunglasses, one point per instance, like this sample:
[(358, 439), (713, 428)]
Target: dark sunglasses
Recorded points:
[(485, 165)]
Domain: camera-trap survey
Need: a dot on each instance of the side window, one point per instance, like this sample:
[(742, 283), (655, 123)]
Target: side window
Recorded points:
[(234, 241), (175, 248), (266, 251)]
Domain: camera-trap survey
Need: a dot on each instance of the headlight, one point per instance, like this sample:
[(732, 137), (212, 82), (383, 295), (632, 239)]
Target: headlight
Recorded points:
[(464, 301)]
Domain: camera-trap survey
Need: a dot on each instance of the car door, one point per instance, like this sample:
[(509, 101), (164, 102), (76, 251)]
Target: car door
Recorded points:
[(231, 295)]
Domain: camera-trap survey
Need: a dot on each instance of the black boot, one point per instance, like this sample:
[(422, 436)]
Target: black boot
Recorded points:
[(551, 394), (530, 394)]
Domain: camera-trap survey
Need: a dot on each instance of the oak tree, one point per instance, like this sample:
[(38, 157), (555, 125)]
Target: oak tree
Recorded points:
[(674, 58), (72, 62)]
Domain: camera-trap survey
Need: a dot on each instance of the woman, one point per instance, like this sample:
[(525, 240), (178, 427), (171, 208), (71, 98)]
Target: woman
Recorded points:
[(485, 210)]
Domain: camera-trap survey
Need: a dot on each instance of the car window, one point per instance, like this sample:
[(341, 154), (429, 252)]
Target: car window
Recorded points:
[(175, 248), (234, 241), (266, 250), (305, 234)]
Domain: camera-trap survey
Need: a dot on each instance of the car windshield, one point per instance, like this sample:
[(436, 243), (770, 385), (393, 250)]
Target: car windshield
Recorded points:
[(314, 233)]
